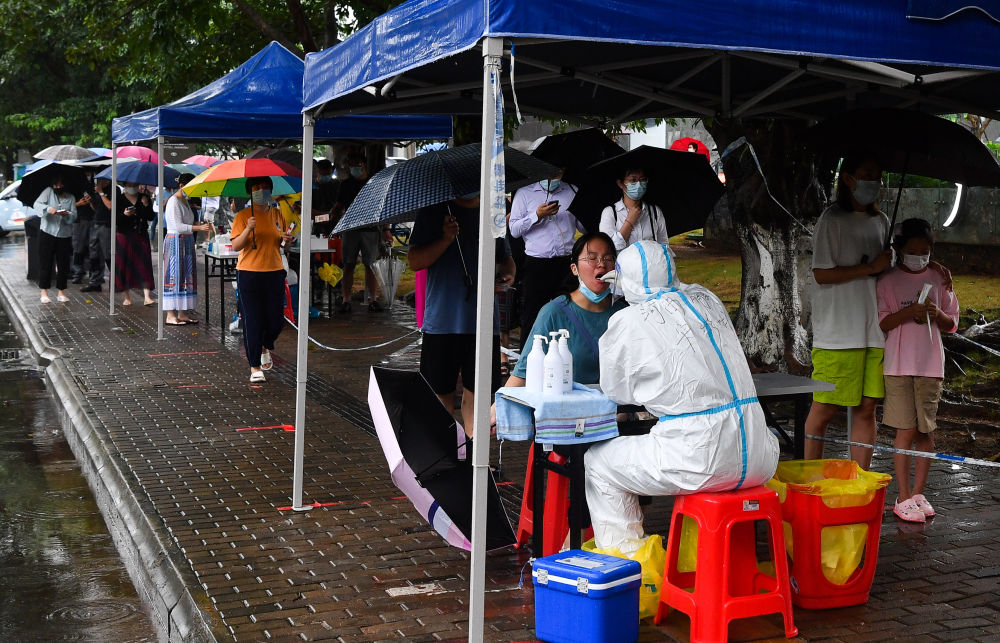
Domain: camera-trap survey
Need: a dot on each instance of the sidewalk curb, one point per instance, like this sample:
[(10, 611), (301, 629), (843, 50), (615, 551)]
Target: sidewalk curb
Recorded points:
[(148, 557)]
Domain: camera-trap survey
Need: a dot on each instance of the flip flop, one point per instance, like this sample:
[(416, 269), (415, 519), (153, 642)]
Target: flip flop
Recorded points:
[(179, 322), (149, 303), (190, 321)]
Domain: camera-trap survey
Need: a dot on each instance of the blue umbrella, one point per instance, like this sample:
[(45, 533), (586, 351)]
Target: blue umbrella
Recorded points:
[(396, 193), (141, 172), (99, 150)]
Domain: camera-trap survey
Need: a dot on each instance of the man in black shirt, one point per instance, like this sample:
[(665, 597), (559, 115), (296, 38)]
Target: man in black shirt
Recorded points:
[(325, 191), (82, 229), (99, 242), (363, 240)]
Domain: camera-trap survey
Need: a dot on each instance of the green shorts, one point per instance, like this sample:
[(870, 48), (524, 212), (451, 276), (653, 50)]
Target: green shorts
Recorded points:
[(856, 372)]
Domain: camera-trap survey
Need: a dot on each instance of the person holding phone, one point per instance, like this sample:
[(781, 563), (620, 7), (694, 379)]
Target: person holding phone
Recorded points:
[(133, 256), (57, 209), (258, 231), (540, 215), (180, 274)]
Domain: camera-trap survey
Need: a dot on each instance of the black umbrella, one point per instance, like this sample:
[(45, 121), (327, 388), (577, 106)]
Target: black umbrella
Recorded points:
[(396, 193), (682, 184), (577, 151), (34, 182), (909, 142), (421, 442)]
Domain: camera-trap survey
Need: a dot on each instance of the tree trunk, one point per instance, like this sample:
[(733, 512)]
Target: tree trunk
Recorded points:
[(773, 321)]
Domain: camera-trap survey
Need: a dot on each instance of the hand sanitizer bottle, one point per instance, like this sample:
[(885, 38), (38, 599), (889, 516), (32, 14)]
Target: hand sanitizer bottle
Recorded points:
[(552, 367), (534, 375), (567, 360)]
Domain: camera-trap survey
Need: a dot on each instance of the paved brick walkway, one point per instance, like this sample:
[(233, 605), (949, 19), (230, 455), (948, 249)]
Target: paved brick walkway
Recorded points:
[(172, 410)]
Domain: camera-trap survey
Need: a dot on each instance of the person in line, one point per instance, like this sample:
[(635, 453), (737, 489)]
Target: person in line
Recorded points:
[(362, 240), (57, 209), (631, 219), (325, 192), (584, 312), (133, 257), (693, 147), (258, 231), (445, 241), (914, 358), (848, 253), (675, 351), (180, 273), (540, 215), (100, 235), (82, 229)]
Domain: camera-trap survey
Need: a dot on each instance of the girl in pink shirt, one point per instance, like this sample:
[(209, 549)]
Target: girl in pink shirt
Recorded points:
[(915, 304)]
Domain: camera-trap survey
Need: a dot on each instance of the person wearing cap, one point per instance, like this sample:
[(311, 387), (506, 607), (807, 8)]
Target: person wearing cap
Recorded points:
[(540, 215), (180, 275), (257, 233)]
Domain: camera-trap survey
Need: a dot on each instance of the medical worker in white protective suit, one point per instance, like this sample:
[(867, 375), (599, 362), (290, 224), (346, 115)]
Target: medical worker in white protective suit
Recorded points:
[(675, 352)]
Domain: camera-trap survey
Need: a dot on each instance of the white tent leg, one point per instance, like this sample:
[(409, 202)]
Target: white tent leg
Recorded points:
[(301, 359), (492, 53), (161, 209), (114, 227)]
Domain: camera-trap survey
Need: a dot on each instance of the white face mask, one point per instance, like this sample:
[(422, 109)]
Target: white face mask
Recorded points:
[(131, 191), (865, 192), (916, 263)]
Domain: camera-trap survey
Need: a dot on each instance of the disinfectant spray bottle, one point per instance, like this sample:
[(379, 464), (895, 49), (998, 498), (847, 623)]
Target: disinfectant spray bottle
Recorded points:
[(567, 359), (553, 367), (534, 376)]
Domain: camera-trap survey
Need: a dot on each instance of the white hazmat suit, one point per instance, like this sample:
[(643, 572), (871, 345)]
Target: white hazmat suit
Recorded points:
[(674, 351)]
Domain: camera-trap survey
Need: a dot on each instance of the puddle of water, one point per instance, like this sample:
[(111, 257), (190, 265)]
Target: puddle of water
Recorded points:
[(62, 577)]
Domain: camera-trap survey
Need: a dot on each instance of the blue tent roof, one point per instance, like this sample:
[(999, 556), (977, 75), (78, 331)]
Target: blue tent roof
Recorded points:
[(262, 100), (684, 58)]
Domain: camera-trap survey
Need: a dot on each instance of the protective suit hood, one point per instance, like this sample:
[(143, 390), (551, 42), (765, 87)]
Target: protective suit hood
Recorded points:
[(644, 269)]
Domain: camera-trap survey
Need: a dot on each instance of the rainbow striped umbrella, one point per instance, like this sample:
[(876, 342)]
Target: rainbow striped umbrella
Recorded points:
[(229, 178)]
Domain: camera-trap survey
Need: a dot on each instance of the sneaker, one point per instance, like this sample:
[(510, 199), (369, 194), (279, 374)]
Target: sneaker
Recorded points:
[(91, 288), (923, 505), (909, 511), (344, 307), (234, 328), (258, 376), (45, 299), (265, 360), (77, 280), (62, 299)]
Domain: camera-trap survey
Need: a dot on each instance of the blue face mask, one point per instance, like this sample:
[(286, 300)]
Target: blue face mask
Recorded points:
[(356, 171), (260, 197), (324, 178), (636, 190), (550, 185), (593, 296)]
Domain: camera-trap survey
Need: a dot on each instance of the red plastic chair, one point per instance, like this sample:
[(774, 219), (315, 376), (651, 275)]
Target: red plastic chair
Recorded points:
[(556, 507), (727, 583)]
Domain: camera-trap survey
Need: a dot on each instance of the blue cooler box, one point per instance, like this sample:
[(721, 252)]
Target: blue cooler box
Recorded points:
[(582, 596)]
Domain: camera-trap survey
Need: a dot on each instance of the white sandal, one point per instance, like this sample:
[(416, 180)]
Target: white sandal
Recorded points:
[(257, 376), (265, 360)]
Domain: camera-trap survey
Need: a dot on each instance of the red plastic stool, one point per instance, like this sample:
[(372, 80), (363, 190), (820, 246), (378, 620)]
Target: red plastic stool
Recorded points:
[(556, 507), (727, 583)]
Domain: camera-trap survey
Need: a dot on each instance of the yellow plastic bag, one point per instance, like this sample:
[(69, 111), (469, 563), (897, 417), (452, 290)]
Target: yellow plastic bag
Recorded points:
[(651, 557), (839, 483), (330, 274)]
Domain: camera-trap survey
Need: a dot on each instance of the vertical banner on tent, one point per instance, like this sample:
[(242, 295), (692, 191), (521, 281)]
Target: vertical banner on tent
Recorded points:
[(497, 196)]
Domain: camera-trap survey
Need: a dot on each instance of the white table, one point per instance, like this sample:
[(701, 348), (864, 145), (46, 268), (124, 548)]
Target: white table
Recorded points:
[(775, 387)]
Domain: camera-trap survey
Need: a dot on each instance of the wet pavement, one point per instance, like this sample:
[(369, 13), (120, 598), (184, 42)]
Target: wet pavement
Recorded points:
[(62, 576), (164, 417)]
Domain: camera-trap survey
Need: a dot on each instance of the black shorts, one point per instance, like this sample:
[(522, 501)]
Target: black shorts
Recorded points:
[(443, 357)]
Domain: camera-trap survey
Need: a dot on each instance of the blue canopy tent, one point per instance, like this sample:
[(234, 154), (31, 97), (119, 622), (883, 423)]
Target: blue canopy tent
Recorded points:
[(598, 63), (261, 100)]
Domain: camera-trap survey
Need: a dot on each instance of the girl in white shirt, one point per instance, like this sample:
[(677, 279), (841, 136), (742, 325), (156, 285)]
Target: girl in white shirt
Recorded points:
[(631, 219)]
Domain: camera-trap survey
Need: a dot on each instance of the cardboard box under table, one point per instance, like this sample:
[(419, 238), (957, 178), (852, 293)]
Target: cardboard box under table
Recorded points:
[(583, 596)]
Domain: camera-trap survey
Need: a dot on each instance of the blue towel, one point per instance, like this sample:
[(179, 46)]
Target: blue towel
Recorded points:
[(581, 415)]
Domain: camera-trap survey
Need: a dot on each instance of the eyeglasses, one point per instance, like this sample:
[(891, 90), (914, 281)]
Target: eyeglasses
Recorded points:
[(606, 260)]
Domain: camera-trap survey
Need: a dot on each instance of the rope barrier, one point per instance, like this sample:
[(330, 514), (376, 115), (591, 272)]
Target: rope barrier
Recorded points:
[(920, 454), (348, 350)]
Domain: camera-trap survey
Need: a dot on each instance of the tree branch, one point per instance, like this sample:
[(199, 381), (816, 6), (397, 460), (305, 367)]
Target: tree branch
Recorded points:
[(265, 26), (301, 25)]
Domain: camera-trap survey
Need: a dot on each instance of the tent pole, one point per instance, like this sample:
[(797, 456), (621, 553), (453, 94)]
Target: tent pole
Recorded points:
[(114, 226), (301, 359), (159, 239), (488, 187)]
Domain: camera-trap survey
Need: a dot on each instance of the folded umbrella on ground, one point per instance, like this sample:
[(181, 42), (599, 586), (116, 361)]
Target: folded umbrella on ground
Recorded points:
[(387, 271), (682, 184), (396, 193), (421, 442)]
